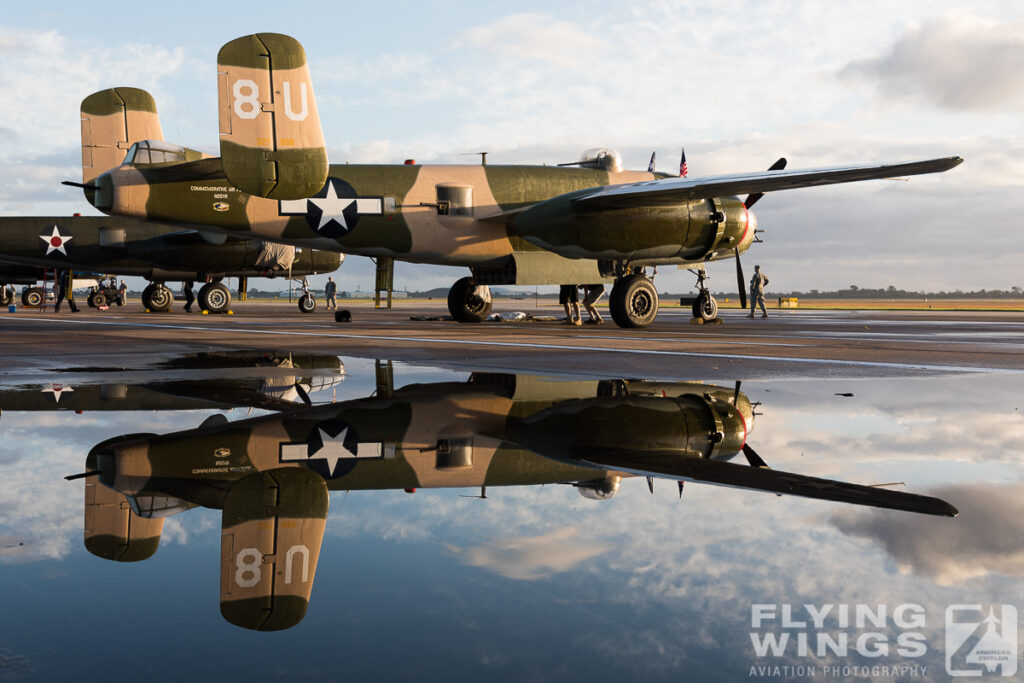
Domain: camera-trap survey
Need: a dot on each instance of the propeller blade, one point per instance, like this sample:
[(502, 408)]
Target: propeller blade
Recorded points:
[(753, 458), (736, 394), (680, 488), (740, 281), (752, 198), (302, 394), (650, 484)]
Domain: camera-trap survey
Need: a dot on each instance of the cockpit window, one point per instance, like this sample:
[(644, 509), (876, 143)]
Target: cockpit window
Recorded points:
[(155, 152)]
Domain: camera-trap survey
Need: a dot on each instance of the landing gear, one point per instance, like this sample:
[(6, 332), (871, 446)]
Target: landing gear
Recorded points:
[(634, 301), (214, 297), (307, 304), (33, 296), (469, 302), (157, 298), (705, 307)]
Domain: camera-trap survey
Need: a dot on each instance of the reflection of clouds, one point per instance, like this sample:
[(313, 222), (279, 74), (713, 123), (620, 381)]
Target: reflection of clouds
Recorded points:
[(988, 538), (37, 506), (534, 557)]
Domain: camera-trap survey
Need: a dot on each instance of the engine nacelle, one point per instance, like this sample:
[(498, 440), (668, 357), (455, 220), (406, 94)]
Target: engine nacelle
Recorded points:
[(599, 489)]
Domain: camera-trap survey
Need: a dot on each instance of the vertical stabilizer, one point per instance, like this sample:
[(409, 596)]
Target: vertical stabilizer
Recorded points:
[(112, 120)]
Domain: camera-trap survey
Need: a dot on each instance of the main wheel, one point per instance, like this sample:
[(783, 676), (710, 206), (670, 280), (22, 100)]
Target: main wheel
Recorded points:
[(147, 292), (97, 299), (160, 299), (307, 304), (705, 308), (214, 297), (634, 301), (33, 296), (469, 302)]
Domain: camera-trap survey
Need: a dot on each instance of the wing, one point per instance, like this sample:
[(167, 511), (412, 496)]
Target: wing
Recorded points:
[(682, 189), (672, 466)]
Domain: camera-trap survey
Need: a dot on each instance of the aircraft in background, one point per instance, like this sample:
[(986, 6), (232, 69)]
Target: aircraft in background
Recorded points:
[(158, 253), (271, 474), (510, 225)]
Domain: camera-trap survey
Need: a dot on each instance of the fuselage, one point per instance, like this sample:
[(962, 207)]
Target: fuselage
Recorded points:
[(511, 224)]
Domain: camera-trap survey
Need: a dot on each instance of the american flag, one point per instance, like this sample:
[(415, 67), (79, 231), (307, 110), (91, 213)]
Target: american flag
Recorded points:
[(650, 166), (682, 165)]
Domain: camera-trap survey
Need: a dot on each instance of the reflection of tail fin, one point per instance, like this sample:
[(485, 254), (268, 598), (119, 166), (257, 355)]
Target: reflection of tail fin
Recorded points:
[(271, 532), (112, 120), (271, 143), (112, 530)]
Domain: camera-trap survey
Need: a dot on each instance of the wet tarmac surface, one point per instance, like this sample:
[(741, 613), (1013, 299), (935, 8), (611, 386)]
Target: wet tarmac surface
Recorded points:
[(520, 555)]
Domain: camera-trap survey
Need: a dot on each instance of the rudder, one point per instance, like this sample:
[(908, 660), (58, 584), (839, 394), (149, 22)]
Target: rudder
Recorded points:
[(113, 120)]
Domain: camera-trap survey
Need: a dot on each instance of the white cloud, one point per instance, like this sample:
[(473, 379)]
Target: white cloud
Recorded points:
[(532, 36), (535, 557), (956, 61)]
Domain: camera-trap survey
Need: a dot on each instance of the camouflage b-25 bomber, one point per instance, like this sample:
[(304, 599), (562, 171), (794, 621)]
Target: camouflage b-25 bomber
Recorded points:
[(510, 225), (271, 475)]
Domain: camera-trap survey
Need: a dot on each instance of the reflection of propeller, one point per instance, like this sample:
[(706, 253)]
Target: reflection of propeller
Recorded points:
[(305, 397), (753, 458), (749, 202)]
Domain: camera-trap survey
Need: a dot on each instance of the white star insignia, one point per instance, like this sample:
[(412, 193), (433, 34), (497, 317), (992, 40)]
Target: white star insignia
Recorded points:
[(56, 241), (57, 390), (332, 208), (332, 450)]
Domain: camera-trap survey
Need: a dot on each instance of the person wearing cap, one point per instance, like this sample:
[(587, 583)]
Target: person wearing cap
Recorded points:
[(757, 284)]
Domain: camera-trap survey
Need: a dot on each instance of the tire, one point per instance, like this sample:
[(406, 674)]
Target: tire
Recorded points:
[(33, 296), (307, 304), (634, 301), (160, 299), (705, 308), (215, 298), (97, 299), (146, 294), (469, 302)]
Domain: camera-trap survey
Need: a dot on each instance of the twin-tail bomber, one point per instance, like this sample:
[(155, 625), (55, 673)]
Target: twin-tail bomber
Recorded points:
[(510, 225)]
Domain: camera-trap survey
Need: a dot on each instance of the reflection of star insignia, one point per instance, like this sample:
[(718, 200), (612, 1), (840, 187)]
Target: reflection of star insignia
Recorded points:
[(57, 390), (56, 241), (331, 456), (332, 449), (335, 209)]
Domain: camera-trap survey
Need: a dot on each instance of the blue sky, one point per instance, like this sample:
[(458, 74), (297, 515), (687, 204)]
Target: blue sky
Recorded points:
[(738, 83)]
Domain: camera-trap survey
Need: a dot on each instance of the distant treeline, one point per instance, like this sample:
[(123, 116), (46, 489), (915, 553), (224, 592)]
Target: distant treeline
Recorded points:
[(890, 292)]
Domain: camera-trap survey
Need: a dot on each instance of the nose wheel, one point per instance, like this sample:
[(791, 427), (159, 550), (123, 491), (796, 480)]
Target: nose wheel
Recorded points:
[(705, 307)]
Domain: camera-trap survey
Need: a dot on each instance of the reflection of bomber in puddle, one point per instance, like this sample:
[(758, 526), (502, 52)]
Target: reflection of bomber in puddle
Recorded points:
[(271, 474), (195, 381)]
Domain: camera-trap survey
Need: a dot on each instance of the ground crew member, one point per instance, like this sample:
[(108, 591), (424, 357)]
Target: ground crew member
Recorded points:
[(329, 291), (122, 293), (757, 285), (591, 293), (190, 298), (63, 287), (569, 297)]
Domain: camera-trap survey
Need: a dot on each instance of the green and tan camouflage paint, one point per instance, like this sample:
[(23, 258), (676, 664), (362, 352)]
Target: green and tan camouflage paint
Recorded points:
[(271, 141)]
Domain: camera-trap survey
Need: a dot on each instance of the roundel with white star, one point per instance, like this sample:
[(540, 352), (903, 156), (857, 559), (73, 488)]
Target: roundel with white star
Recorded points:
[(335, 210)]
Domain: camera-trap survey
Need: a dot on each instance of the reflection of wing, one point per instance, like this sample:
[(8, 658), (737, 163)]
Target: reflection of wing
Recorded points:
[(672, 466), (681, 189)]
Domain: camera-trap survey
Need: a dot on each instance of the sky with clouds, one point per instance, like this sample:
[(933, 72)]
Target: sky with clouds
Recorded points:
[(739, 84)]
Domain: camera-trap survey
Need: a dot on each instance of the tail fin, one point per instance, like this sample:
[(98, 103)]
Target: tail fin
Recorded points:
[(112, 120), (271, 142)]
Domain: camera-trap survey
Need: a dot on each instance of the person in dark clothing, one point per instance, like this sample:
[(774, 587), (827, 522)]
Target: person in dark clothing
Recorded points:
[(569, 297), (329, 292), (190, 298), (62, 285)]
